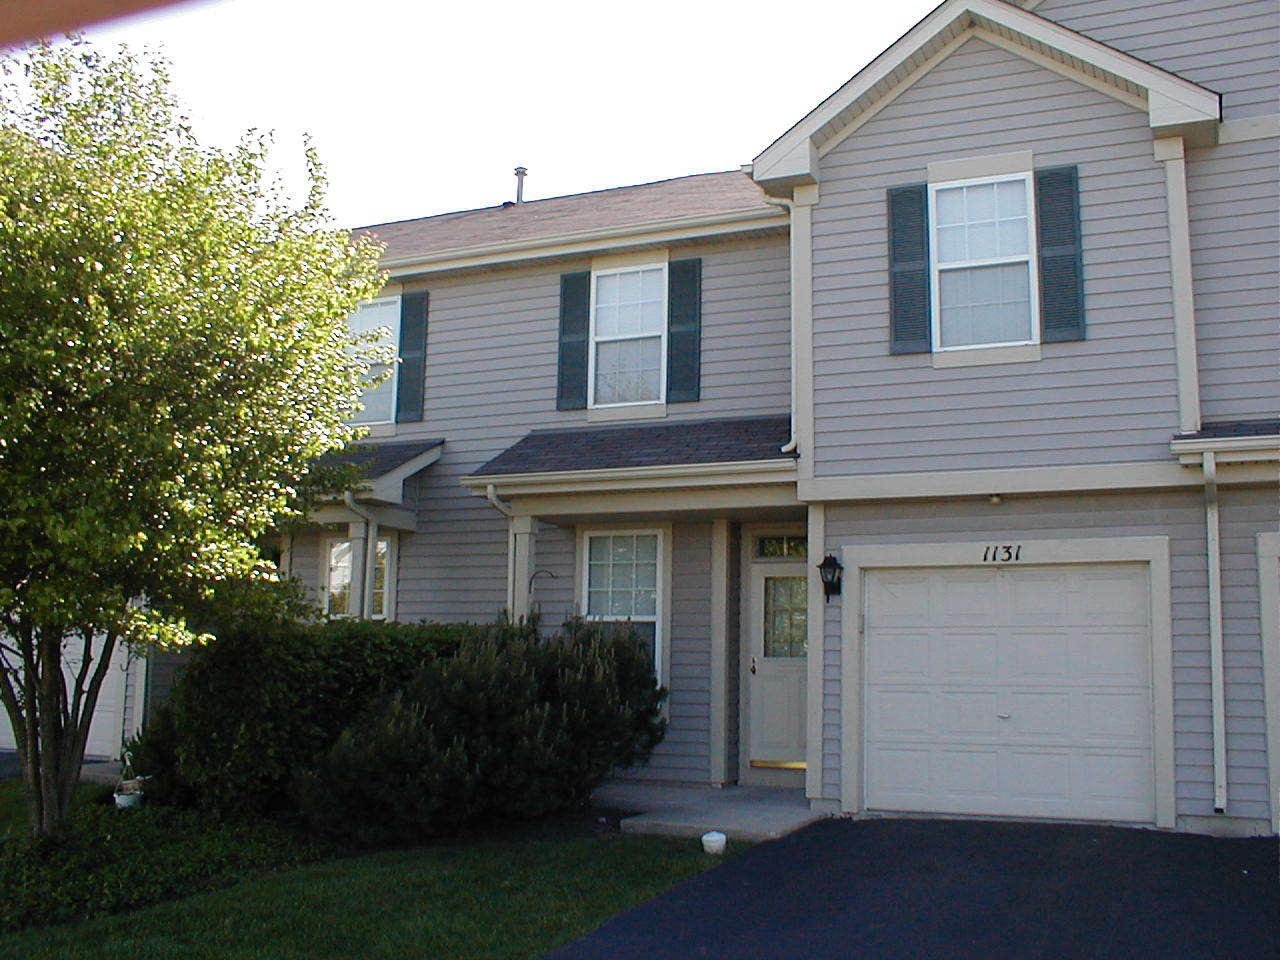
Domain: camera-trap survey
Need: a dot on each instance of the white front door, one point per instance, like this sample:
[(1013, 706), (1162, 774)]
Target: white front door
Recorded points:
[(776, 675), (1010, 691)]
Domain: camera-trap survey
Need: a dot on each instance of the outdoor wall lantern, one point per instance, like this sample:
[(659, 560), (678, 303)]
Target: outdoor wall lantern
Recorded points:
[(830, 568)]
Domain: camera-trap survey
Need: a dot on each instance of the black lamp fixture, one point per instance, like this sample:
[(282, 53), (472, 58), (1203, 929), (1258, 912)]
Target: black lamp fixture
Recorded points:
[(830, 569)]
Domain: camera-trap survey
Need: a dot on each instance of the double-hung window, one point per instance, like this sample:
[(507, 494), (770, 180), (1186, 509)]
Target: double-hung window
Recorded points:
[(340, 560), (621, 577), (628, 358), (983, 270), (381, 319)]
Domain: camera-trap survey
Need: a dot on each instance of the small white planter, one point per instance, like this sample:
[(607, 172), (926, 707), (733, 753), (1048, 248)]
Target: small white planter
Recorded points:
[(129, 793), (713, 842)]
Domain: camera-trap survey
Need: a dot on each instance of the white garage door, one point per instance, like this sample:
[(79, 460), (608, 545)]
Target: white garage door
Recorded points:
[(108, 719), (1019, 691)]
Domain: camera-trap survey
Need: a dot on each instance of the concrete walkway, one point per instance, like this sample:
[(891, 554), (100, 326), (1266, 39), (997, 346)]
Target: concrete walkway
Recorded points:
[(741, 813), (95, 769)]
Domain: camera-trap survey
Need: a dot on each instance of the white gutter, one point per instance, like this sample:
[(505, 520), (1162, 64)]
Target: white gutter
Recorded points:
[(364, 602), (1213, 537), (584, 241)]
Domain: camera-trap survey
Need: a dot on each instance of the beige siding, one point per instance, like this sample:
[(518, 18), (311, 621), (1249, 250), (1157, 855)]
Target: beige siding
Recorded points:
[(1109, 398), (1234, 195), (1230, 47), (1179, 516)]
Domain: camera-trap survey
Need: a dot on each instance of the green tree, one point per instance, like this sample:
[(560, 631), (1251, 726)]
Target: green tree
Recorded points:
[(173, 358)]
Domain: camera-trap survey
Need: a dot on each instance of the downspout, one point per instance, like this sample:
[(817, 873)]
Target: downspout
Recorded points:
[(364, 603), (491, 494), (791, 445), (1213, 544)]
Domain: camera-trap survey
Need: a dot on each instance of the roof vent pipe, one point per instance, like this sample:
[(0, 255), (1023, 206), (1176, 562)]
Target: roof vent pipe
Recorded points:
[(521, 172)]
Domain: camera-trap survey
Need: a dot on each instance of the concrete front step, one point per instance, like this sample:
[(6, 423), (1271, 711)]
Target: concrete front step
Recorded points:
[(741, 813)]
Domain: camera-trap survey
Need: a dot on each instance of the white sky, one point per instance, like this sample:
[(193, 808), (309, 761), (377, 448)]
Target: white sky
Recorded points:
[(419, 107)]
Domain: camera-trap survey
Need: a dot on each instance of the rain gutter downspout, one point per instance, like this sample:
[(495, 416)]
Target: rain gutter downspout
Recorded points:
[(1213, 548)]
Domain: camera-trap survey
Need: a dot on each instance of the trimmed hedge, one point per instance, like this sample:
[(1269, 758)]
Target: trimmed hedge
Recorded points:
[(509, 727), (263, 701), (382, 732)]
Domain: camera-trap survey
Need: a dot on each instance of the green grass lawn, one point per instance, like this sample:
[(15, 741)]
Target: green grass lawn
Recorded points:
[(485, 899)]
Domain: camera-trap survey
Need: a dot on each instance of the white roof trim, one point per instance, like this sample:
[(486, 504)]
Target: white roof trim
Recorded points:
[(1175, 106), (660, 476), (590, 241), (389, 488), (1228, 449)]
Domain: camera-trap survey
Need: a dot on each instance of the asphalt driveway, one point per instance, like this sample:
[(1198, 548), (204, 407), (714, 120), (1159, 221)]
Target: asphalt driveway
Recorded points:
[(935, 888)]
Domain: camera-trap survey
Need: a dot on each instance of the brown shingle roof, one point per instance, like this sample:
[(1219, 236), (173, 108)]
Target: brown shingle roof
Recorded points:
[(704, 194)]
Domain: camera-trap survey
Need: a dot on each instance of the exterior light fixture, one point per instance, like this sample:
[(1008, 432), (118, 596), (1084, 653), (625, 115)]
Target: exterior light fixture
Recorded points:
[(830, 569)]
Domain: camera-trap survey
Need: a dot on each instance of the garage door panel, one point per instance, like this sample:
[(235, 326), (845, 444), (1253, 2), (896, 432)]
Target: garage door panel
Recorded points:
[(963, 654), (1033, 702), (1115, 656)]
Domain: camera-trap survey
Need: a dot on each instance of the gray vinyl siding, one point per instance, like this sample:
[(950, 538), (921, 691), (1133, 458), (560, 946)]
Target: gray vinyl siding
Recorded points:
[(684, 755), (555, 567), (1110, 398), (1232, 48), (1177, 515), (1234, 197), (491, 378)]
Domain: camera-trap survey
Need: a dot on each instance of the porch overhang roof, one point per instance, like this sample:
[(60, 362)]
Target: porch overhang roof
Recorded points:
[(1175, 106), (1235, 441), (387, 465)]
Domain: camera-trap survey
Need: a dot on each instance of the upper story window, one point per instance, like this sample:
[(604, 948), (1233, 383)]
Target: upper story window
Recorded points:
[(381, 316), (628, 354), (983, 271)]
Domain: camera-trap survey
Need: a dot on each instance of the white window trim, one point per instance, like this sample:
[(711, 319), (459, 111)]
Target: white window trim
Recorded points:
[(593, 341), (395, 365), (1031, 258), (660, 604), (389, 603)]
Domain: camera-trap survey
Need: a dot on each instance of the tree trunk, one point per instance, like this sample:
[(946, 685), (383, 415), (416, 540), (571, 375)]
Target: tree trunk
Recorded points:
[(51, 728)]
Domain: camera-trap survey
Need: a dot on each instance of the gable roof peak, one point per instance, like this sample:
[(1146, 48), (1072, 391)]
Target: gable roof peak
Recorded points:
[(1176, 107)]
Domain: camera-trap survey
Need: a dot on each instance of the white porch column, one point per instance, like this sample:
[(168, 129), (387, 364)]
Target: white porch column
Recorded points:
[(720, 665), (816, 653), (520, 543)]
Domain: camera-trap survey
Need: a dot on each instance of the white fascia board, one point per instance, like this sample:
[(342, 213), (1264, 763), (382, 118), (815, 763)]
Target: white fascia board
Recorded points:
[(664, 476), (591, 241), (1228, 449), (393, 518), (1177, 105)]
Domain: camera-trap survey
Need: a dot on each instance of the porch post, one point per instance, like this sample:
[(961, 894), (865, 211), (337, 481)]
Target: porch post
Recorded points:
[(816, 650), (719, 649), (520, 542), (358, 534)]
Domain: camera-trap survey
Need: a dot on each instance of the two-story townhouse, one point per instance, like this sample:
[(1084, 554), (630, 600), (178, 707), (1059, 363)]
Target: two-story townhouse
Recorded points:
[(990, 340)]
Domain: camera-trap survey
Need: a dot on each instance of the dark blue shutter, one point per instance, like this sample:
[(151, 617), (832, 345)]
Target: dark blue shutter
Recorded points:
[(1061, 270), (910, 324), (575, 309), (684, 330), (411, 382)]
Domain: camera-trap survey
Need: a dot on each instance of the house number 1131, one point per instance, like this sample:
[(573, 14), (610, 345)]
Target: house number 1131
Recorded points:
[(1002, 553)]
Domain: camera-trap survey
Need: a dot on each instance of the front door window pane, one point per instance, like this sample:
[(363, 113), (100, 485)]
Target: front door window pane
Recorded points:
[(786, 616), (339, 579)]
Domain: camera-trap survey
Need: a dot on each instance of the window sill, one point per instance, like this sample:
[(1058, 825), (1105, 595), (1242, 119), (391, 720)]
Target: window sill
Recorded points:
[(378, 429), (982, 356), (638, 411)]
